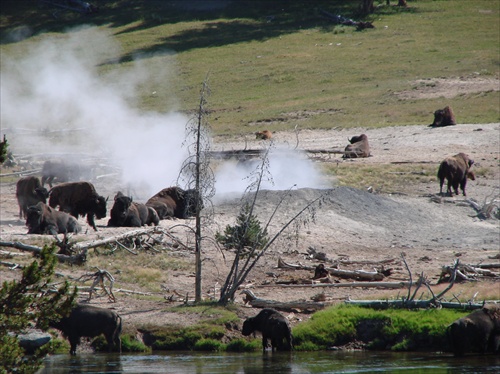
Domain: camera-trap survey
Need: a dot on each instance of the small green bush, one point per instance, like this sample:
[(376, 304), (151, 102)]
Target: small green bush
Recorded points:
[(131, 344), (209, 345), (241, 345)]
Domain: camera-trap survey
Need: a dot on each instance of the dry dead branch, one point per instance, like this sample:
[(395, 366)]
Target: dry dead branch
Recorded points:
[(78, 259), (100, 276), (291, 306)]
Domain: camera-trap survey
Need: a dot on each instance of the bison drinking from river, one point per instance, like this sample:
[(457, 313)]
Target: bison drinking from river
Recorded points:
[(79, 198), (90, 321), (272, 325)]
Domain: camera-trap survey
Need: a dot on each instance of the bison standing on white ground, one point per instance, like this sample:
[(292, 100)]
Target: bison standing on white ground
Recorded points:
[(79, 198), (455, 170), (29, 192)]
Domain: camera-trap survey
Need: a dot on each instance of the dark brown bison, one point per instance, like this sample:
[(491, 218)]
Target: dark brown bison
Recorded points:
[(42, 219), (62, 171), (443, 117), (79, 198), (477, 332), (359, 147), (455, 170), (29, 192), (126, 213), (90, 321), (264, 135), (272, 325), (176, 202), (321, 272)]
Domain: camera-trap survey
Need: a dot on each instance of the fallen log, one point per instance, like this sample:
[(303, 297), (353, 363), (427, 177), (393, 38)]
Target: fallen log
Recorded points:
[(413, 304), (351, 274), (389, 285), (113, 239), (78, 259), (291, 306)]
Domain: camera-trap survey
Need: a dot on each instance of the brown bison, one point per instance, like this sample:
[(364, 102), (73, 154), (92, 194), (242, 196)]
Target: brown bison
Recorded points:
[(90, 321), (29, 192), (320, 272), (456, 170), (264, 135), (79, 198), (359, 147), (42, 219), (477, 332), (176, 202), (126, 213), (272, 325), (444, 117)]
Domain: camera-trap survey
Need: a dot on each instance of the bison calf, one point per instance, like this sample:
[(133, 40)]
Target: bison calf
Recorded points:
[(90, 321), (127, 213), (272, 325), (455, 170), (42, 219), (29, 192), (359, 147)]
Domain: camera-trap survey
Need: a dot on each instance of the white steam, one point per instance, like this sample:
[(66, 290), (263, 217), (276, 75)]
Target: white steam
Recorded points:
[(55, 101)]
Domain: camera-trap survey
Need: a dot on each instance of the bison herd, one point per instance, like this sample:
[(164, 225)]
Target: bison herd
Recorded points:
[(37, 205)]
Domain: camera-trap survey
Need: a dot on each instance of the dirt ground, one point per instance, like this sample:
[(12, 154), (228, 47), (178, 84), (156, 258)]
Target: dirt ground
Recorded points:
[(350, 224)]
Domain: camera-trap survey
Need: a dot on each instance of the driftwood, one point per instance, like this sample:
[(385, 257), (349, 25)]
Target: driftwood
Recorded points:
[(389, 285), (412, 304), (75, 260), (352, 274), (468, 272), (291, 306)]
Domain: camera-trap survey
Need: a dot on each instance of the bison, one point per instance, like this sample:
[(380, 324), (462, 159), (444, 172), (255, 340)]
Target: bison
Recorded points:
[(42, 219), (90, 321), (29, 192), (272, 325), (477, 332), (320, 272), (127, 213), (264, 135), (359, 147), (176, 202), (456, 170), (443, 117), (79, 198)]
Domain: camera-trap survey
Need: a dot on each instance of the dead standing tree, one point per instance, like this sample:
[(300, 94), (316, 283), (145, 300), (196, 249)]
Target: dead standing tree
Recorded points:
[(251, 247), (197, 173)]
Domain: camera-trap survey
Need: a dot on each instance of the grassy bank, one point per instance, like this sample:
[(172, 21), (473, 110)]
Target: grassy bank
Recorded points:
[(280, 64)]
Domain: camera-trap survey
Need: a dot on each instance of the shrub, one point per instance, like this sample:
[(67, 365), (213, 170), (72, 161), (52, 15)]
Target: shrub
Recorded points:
[(209, 345)]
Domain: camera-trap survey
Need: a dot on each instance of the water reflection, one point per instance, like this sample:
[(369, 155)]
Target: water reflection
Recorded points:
[(273, 363)]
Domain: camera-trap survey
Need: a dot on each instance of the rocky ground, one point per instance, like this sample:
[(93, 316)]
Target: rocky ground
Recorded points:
[(350, 224)]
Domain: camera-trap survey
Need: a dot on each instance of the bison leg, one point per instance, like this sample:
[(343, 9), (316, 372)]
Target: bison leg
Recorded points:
[(73, 341), (90, 220), (463, 183), (264, 342)]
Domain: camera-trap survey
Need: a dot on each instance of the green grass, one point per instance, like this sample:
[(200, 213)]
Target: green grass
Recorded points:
[(399, 330), (269, 71)]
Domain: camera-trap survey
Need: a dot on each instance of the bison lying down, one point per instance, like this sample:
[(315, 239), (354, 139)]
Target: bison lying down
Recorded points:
[(264, 135), (272, 325), (79, 198), (176, 202), (359, 147), (444, 117), (42, 219), (455, 170), (29, 192), (90, 321), (126, 213)]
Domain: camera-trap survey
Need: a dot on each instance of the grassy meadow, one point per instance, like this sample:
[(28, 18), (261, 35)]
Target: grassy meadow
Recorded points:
[(281, 64)]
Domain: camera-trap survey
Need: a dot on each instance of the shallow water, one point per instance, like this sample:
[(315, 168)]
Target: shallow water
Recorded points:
[(273, 363)]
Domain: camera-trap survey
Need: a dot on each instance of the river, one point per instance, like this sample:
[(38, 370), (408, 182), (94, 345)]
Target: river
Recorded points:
[(272, 363)]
